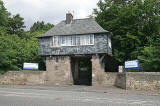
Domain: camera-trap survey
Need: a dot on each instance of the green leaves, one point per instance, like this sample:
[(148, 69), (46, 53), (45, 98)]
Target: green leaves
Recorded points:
[(14, 51), (10, 24), (3, 14), (16, 25), (134, 24), (16, 45), (150, 58), (41, 26)]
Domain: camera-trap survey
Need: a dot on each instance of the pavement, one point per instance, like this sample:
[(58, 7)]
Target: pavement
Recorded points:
[(75, 96)]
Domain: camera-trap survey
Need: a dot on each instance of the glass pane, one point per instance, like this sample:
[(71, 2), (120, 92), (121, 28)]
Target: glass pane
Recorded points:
[(71, 40), (87, 39), (74, 40), (78, 40), (68, 40), (109, 42), (91, 39), (63, 40), (54, 41), (81, 40), (59, 40)]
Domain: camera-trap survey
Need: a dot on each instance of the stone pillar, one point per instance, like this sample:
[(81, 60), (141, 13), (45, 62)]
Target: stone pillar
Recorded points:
[(59, 70), (98, 71)]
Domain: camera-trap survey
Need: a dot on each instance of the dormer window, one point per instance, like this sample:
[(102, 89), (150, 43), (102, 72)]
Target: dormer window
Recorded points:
[(73, 40)]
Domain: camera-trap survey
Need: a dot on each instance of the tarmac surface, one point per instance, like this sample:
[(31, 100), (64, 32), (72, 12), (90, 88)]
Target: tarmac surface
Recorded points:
[(75, 96)]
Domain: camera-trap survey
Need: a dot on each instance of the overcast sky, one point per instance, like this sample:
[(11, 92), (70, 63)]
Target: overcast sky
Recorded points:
[(51, 11)]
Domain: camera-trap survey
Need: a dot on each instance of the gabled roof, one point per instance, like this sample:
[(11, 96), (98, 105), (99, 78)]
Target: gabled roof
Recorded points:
[(77, 26)]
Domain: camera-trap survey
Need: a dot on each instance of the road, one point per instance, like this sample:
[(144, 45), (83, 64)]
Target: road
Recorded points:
[(71, 97)]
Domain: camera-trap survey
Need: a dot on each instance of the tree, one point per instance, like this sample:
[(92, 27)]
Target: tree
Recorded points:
[(3, 14), (16, 25), (132, 23), (40, 26), (150, 59), (16, 45), (3, 18), (10, 46), (14, 51)]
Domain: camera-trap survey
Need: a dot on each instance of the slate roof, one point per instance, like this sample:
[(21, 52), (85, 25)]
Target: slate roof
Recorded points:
[(77, 26)]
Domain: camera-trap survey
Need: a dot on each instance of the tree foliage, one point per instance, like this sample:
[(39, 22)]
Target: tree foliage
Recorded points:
[(17, 45), (16, 25), (41, 26), (150, 58), (3, 18), (3, 14), (135, 26)]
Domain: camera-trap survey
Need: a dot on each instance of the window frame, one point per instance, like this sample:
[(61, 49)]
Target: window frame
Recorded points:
[(73, 40)]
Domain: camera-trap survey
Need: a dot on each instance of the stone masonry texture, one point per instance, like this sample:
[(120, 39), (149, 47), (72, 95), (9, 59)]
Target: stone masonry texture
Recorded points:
[(149, 81), (23, 78), (143, 81), (99, 76), (97, 71), (59, 70)]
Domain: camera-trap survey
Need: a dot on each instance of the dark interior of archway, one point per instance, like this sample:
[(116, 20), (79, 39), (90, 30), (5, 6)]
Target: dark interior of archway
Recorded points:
[(81, 70)]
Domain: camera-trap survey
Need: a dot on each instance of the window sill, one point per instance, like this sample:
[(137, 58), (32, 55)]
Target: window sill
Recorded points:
[(70, 46)]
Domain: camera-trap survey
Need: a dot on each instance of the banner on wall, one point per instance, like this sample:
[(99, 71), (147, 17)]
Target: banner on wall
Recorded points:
[(134, 64), (30, 66)]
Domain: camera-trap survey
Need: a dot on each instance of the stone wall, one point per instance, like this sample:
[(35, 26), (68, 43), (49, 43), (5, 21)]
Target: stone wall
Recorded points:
[(138, 80), (120, 80), (99, 76), (143, 80), (110, 78), (97, 71), (128, 80), (59, 70), (23, 78)]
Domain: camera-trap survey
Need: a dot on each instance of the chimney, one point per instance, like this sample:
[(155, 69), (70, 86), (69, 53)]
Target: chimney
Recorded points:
[(69, 18)]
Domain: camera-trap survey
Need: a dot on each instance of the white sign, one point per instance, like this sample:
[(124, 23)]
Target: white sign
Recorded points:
[(30, 66), (120, 68), (131, 64)]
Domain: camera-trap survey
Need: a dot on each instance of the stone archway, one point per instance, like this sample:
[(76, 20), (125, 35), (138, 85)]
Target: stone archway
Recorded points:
[(81, 70)]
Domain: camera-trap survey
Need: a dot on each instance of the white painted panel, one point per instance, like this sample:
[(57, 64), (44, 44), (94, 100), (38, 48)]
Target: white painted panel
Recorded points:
[(30, 66), (131, 64)]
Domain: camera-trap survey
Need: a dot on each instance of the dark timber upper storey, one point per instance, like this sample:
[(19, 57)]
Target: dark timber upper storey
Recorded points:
[(75, 36)]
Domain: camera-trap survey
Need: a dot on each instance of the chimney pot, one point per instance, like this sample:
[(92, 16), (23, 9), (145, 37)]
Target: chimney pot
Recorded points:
[(69, 18)]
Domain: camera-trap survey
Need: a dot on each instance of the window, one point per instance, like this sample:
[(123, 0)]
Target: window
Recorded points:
[(74, 40), (91, 39), (55, 41), (109, 43), (63, 40), (87, 40), (77, 40)]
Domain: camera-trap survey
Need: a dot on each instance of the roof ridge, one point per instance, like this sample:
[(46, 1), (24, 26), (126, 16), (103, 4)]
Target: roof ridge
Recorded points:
[(82, 18), (79, 19)]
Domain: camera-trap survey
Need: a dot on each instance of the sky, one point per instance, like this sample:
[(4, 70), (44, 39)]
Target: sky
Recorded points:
[(52, 11)]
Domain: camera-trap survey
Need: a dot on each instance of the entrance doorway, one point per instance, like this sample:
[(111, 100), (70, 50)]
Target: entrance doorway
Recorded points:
[(81, 70)]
